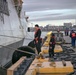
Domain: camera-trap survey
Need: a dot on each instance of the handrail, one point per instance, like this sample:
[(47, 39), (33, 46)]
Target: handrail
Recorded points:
[(11, 36)]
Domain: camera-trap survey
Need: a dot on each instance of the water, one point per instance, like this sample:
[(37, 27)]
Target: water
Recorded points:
[(30, 36)]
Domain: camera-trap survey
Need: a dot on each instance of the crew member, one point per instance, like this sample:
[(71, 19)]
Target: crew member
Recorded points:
[(58, 30), (66, 31), (73, 38), (37, 38), (52, 46)]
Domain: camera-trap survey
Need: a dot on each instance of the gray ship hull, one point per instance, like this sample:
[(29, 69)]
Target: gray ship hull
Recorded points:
[(6, 54), (11, 29)]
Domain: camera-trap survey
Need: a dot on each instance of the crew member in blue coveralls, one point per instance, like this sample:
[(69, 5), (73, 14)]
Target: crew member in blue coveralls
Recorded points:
[(73, 38)]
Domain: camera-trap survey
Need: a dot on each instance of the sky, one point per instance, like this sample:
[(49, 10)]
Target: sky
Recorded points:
[(54, 22), (54, 12)]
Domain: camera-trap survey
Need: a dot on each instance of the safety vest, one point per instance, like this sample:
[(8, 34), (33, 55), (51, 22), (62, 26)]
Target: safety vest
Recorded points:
[(73, 35), (52, 41), (36, 37)]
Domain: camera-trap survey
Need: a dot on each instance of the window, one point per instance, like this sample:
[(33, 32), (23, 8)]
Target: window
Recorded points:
[(4, 7), (4, 0)]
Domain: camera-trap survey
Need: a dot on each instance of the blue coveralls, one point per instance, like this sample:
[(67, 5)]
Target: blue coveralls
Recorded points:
[(73, 38)]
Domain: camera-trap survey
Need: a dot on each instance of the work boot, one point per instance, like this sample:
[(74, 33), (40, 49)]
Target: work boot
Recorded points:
[(38, 57), (49, 59), (52, 64), (41, 55)]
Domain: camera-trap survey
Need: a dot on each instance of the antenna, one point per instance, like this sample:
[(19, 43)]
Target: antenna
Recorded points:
[(75, 21), (26, 17)]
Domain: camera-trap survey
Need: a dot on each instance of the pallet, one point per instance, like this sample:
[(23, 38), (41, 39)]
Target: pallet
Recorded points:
[(10, 71)]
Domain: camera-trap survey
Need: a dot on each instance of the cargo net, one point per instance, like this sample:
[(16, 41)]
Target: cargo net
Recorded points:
[(69, 54), (23, 67)]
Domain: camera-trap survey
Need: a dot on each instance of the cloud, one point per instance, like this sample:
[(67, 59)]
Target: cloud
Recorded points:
[(55, 18), (39, 10), (35, 5), (52, 14)]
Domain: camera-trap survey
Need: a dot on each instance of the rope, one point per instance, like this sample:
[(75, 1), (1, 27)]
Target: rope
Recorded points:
[(11, 36), (19, 50)]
